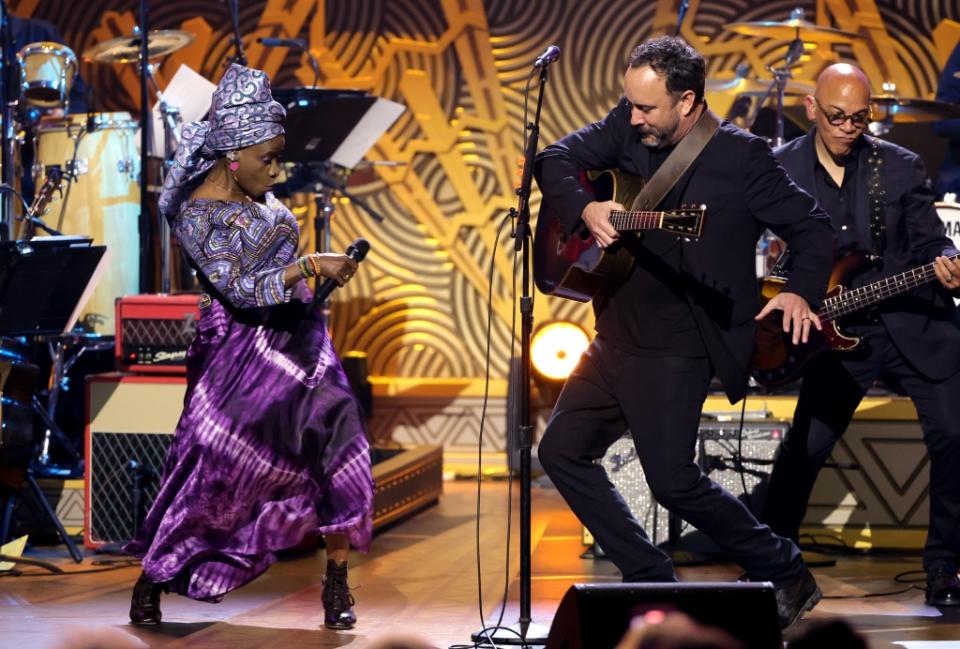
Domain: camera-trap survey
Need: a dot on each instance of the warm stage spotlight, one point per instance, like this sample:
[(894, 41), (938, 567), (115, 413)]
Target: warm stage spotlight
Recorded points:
[(556, 348)]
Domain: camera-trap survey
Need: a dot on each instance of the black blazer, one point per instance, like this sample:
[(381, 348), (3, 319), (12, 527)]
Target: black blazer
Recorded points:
[(925, 323), (745, 191)]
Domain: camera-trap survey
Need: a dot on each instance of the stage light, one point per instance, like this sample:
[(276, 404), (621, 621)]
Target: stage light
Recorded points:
[(556, 347)]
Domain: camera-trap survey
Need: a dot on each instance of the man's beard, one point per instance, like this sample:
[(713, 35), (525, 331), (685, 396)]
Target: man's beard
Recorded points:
[(658, 138), (653, 139)]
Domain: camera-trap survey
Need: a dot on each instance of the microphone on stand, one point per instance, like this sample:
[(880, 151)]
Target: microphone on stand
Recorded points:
[(296, 43), (551, 54), (681, 13), (355, 251)]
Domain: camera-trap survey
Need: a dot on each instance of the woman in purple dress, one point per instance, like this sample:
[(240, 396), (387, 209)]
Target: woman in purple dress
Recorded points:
[(270, 446)]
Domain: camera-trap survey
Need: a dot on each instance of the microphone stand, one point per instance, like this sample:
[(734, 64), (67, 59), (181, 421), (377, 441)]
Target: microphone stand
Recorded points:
[(239, 56), (525, 632), (145, 118), (7, 138)]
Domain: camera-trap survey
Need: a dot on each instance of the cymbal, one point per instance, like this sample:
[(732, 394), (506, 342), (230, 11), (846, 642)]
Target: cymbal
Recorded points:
[(126, 49), (745, 86), (787, 30), (904, 109)]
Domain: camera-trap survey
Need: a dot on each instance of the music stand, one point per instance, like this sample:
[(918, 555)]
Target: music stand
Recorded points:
[(327, 129), (44, 283)]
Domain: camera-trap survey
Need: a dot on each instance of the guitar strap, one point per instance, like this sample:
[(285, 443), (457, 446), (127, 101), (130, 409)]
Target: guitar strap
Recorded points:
[(877, 197), (677, 162)]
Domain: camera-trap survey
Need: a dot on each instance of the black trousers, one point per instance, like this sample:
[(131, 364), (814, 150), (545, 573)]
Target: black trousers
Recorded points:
[(833, 387), (659, 400)]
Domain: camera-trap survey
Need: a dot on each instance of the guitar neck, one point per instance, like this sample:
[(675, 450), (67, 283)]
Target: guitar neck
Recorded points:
[(624, 221), (853, 300)]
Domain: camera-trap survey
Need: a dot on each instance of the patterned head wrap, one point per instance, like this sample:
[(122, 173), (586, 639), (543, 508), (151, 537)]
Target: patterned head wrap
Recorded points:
[(242, 114)]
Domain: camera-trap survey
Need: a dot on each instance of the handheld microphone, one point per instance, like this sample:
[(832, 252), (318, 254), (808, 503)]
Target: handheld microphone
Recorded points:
[(355, 251), (551, 54), (296, 43)]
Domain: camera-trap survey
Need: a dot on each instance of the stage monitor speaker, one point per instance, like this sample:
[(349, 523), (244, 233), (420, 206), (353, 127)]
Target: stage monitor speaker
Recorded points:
[(596, 616)]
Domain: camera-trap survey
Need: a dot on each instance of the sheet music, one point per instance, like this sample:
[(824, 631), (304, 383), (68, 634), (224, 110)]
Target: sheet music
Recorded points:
[(188, 91), (88, 291), (374, 123)]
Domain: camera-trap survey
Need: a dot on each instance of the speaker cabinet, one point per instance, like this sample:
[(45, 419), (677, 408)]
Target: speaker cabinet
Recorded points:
[(596, 616), (130, 424), (732, 458)]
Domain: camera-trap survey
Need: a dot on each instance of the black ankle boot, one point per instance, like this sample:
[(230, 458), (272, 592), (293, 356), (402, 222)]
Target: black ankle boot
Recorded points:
[(337, 600), (145, 603)]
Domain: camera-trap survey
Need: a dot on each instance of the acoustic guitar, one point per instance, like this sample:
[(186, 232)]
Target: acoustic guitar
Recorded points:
[(777, 361), (574, 266)]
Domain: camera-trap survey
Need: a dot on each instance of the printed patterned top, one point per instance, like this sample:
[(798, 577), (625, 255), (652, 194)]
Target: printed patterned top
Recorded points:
[(242, 248)]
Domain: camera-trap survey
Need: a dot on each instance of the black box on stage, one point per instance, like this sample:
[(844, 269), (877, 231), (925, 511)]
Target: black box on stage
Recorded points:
[(726, 456), (596, 616), (130, 424)]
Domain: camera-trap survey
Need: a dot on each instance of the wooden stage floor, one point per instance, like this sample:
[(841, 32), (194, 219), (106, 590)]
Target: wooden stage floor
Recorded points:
[(421, 577)]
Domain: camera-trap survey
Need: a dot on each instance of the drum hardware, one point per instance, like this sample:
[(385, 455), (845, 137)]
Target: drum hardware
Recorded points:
[(97, 152), (8, 148), (47, 70), (794, 28), (41, 282), (126, 49), (134, 49), (892, 109), (797, 30)]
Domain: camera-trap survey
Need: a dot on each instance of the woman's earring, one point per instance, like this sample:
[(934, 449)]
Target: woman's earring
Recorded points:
[(234, 165)]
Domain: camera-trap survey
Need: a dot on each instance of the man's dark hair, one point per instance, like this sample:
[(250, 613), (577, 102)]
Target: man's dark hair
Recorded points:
[(673, 59)]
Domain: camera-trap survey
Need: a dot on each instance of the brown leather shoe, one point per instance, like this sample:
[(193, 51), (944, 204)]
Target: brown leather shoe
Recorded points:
[(337, 600), (145, 602)]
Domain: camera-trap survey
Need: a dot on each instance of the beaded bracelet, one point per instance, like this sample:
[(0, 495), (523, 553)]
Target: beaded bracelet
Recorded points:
[(305, 268), (315, 264)]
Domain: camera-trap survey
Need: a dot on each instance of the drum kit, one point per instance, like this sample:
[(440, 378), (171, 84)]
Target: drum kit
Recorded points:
[(887, 108), (94, 162), (802, 34), (98, 153)]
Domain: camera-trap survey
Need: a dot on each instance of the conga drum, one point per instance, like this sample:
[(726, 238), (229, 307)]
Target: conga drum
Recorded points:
[(103, 202)]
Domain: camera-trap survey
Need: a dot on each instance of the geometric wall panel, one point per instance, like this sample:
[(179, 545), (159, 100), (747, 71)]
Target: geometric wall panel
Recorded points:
[(881, 479), (417, 306)]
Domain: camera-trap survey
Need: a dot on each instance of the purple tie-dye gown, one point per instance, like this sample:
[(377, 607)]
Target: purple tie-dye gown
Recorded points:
[(270, 445)]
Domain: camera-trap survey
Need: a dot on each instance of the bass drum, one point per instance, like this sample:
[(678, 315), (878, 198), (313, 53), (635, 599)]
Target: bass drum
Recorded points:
[(949, 213), (103, 202)]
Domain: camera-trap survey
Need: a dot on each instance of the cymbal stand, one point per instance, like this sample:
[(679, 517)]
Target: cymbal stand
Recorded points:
[(171, 119), (781, 75), (60, 365), (7, 131)]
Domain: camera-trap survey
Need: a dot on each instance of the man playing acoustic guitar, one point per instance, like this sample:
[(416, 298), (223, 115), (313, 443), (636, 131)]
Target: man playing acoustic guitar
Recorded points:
[(879, 201), (684, 313)]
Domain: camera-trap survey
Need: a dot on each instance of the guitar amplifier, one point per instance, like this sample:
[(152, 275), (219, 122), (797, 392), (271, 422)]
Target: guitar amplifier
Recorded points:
[(154, 332), (131, 419), (727, 457)]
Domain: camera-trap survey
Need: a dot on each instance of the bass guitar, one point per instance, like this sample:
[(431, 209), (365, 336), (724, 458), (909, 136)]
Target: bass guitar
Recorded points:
[(574, 266), (777, 361)]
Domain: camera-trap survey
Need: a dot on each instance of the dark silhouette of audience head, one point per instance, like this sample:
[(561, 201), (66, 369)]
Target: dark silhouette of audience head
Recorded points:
[(659, 630)]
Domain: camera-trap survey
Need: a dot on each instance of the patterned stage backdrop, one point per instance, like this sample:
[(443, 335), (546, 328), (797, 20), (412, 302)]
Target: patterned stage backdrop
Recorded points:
[(418, 306)]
